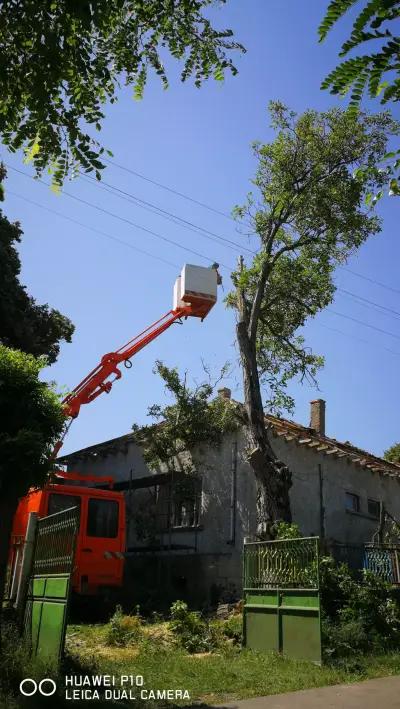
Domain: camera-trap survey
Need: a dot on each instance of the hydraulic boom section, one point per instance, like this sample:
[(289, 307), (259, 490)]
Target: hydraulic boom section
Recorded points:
[(195, 293), (98, 380)]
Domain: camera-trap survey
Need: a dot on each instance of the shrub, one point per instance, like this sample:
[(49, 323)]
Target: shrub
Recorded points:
[(232, 628), (190, 630), (356, 616), (123, 629), (343, 639)]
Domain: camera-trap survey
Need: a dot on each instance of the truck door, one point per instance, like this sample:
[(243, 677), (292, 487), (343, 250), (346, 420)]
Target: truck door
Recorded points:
[(102, 544)]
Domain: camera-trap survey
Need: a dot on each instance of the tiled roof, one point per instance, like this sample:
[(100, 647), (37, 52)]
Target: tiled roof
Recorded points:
[(280, 428), (303, 436)]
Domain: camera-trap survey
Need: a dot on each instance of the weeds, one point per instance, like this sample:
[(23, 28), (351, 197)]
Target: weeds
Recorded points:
[(123, 629)]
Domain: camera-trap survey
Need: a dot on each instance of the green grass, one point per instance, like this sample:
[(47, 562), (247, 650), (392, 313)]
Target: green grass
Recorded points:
[(226, 674)]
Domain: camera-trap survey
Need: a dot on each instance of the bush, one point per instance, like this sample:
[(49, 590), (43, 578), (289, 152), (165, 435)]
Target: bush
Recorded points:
[(123, 629), (343, 639), (356, 616), (232, 628), (190, 630)]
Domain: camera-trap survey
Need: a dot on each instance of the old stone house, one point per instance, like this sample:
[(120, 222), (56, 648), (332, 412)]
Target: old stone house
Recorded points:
[(188, 532)]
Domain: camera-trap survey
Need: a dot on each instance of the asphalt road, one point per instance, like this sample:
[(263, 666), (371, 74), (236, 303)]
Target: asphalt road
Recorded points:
[(382, 693)]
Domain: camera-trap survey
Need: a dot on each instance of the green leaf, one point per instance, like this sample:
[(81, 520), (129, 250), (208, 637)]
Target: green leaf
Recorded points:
[(32, 151)]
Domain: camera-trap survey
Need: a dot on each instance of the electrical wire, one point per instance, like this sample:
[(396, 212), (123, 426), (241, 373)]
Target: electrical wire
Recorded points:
[(155, 234), (359, 339), (155, 209), (168, 189), (366, 302), (224, 214), (91, 228), (122, 219), (371, 280), (360, 322)]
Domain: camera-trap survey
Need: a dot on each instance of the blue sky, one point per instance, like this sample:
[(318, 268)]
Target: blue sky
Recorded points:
[(198, 142)]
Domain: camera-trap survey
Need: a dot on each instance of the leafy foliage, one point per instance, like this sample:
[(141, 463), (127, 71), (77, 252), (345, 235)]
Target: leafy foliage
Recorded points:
[(232, 628), (61, 62), (287, 531), (190, 630), (33, 421), (192, 419), (309, 219), (357, 616), (392, 454), (123, 629), (375, 73), (25, 325)]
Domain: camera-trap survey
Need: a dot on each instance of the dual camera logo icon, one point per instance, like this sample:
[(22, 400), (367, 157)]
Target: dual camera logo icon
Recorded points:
[(46, 687)]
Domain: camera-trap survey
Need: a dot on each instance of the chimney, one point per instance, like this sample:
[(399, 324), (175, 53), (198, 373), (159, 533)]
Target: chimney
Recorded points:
[(317, 416), (224, 393)]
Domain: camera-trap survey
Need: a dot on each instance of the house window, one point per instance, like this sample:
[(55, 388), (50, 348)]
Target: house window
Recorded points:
[(374, 508), (184, 514), (352, 502), (186, 496)]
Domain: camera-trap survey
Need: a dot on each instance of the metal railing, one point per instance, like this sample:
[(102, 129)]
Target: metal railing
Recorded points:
[(285, 563), (384, 561)]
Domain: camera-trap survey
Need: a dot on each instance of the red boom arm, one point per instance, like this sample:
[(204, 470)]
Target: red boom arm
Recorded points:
[(98, 380)]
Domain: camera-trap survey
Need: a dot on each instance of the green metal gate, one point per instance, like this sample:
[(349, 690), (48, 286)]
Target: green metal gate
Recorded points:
[(281, 597), (49, 584)]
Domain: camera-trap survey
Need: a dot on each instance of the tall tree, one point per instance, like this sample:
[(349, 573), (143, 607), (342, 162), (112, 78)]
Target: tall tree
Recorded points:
[(373, 68), (309, 217), (60, 62), (25, 325)]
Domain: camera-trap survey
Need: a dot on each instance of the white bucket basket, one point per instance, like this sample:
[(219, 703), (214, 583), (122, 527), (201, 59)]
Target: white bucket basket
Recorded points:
[(196, 286)]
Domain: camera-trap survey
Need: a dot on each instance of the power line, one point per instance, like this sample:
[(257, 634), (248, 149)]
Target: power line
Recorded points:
[(122, 219), (175, 218), (155, 234), (224, 214), (169, 189), (91, 228), (371, 280), (360, 339), (390, 311), (360, 322), (155, 209)]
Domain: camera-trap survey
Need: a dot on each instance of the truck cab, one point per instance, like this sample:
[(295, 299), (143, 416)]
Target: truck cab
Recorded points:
[(100, 544)]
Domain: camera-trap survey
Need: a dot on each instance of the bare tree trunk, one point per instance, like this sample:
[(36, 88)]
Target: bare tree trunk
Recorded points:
[(273, 477)]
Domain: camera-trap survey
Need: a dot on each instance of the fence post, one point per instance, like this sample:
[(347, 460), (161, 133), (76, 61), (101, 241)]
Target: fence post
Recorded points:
[(26, 565)]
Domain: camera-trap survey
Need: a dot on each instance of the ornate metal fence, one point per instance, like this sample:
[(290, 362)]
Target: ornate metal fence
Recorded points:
[(383, 561), (49, 584), (281, 591), (287, 563)]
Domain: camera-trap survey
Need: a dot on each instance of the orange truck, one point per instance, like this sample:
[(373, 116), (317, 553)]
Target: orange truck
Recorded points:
[(100, 546)]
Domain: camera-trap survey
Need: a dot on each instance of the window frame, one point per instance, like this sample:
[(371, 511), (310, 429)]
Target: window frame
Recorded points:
[(100, 500), (77, 501), (349, 495), (374, 502)]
